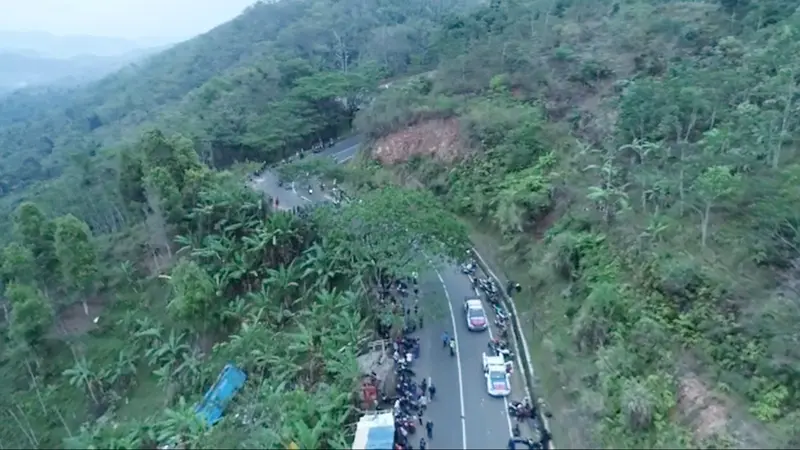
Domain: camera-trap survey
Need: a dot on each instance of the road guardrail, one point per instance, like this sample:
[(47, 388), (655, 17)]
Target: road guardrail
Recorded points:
[(523, 357)]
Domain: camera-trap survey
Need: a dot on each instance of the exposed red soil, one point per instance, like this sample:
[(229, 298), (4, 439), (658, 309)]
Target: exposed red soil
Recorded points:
[(438, 138)]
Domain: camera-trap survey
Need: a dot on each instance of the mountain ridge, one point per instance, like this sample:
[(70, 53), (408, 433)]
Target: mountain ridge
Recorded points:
[(49, 45)]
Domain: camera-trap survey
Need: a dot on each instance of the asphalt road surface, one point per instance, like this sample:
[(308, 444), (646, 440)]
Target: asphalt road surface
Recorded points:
[(463, 413), (293, 195)]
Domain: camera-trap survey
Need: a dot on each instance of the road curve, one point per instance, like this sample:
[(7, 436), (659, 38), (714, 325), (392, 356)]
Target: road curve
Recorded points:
[(464, 415)]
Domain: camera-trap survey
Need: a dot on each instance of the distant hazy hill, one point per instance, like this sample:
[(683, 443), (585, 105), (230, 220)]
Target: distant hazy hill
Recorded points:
[(21, 69), (52, 46)]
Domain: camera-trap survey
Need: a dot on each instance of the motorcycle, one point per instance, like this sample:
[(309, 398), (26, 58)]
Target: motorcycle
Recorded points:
[(407, 423), (521, 410), (501, 313), (502, 327), (469, 268), (501, 348)]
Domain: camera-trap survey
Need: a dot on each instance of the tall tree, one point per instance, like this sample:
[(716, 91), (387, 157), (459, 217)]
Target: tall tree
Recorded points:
[(76, 256)]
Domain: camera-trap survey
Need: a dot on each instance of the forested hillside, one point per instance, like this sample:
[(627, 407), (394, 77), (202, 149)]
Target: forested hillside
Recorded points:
[(279, 77), (135, 266), (636, 161), (639, 160)]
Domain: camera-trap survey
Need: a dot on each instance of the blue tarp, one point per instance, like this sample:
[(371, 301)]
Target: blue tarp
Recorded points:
[(375, 431), (380, 438)]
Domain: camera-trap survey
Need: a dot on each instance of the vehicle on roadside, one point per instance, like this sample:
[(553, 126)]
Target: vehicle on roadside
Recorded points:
[(498, 381), (475, 315), (212, 406)]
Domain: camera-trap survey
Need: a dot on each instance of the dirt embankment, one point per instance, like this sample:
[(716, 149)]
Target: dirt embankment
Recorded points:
[(437, 138)]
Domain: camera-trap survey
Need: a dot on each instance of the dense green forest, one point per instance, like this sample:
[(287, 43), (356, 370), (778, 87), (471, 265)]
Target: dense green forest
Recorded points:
[(635, 159), (638, 162), (281, 76)]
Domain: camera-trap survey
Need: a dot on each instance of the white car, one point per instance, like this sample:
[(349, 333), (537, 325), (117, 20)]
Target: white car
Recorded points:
[(475, 315), (498, 381)]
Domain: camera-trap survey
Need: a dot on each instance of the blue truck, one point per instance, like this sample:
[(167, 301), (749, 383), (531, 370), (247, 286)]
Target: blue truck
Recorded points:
[(212, 407)]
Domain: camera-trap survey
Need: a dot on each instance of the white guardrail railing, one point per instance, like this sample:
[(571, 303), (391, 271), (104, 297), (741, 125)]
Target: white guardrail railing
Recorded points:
[(524, 356)]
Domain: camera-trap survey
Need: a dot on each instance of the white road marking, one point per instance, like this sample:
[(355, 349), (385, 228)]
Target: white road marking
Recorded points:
[(293, 189), (345, 150), (305, 198), (458, 362), (346, 159), (505, 399)]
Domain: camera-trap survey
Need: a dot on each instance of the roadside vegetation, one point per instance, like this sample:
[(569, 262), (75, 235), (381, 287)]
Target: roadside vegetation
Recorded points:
[(106, 352), (637, 161)]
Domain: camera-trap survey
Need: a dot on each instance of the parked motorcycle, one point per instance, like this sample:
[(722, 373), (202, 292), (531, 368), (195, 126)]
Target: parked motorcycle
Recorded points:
[(501, 313), (487, 286), (406, 422), (501, 348), (469, 268), (521, 410)]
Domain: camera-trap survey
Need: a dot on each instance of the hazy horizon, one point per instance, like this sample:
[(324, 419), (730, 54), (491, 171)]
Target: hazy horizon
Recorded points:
[(127, 19)]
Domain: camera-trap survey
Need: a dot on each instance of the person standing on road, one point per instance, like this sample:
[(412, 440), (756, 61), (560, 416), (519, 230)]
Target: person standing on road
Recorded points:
[(423, 403), (544, 441), (432, 391), (445, 339), (424, 386), (422, 444), (429, 429)]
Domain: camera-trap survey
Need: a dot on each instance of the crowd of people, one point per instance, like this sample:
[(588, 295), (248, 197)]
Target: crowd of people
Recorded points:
[(413, 396)]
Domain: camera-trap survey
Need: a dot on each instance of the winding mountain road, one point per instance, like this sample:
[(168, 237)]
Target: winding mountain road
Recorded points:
[(463, 413)]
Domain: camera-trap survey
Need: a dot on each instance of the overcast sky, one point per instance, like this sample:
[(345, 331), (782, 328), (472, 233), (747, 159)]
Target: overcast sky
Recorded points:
[(119, 18)]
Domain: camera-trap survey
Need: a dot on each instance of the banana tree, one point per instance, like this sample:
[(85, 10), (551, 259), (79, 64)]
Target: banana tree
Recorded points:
[(82, 375), (190, 371), (169, 351), (181, 426), (306, 344), (320, 268), (124, 369), (284, 286), (148, 334)]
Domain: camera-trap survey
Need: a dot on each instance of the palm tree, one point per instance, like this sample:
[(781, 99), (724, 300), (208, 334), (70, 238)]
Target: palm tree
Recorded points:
[(81, 374)]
